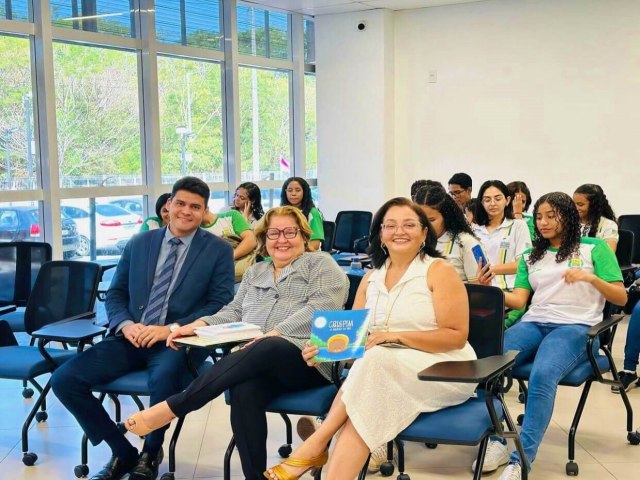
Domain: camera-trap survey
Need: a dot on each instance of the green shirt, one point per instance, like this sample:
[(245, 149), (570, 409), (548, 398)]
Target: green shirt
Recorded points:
[(151, 223), (228, 223), (315, 222)]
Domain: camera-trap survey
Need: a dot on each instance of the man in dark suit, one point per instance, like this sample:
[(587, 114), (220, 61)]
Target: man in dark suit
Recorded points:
[(165, 278)]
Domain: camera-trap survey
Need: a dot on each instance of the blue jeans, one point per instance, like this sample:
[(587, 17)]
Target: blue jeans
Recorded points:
[(632, 345), (555, 350)]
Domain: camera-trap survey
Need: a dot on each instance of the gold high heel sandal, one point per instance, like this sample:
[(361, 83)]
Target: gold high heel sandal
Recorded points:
[(279, 473), (136, 424)]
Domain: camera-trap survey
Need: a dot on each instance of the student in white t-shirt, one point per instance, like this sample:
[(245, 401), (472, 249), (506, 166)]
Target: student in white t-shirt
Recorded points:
[(570, 279), (596, 215), (455, 237), (503, 238)]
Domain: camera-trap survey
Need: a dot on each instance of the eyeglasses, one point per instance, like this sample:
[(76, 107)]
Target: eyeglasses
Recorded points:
[(406, 227), (488, 200), (456, 193), (289, 232)]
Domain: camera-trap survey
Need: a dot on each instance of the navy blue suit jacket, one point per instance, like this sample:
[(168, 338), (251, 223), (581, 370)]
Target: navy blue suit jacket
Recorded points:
[(204, 284)]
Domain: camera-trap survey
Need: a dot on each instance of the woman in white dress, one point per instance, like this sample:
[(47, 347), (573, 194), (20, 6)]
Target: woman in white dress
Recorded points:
[(420, 316)]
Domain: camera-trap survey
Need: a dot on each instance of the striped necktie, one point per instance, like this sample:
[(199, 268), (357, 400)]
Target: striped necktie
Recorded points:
[(161, 285)]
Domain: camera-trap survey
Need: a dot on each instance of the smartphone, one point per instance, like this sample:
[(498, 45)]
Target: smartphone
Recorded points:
[(479, 254)]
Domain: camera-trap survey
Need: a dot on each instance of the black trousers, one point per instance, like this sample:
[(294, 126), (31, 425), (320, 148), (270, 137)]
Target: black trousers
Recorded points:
[(254, 376)]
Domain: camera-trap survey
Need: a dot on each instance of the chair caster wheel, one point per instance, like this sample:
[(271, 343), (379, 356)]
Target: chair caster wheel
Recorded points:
[(168, 476), (634, 438), (29, 459), (386, 469), (521, 397), (27, 392), (572, 469), (284, 451), (41, 417), (81, 471), (431, 446), (520, 419), (403, 476)]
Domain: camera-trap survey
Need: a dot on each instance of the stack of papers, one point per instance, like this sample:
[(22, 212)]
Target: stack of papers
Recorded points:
[(229, 332)]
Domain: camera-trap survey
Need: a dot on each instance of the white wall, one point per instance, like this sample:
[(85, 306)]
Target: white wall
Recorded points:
[(545, 91)]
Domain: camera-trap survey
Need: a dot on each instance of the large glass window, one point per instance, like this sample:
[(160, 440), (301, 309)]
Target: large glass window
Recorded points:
[(104, 225), (18, 161), (263, 33), (189, 22), (97, 116), (309, 41), (310, 131), (191, 136), (265, 134), (115, 17), (15, 10)]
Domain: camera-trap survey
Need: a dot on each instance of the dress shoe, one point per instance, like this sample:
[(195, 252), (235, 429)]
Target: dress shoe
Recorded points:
[(115, 469), (147, 467)]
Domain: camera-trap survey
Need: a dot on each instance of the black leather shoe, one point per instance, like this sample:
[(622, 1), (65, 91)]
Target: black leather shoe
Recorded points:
[(115, 469), (147, 467)]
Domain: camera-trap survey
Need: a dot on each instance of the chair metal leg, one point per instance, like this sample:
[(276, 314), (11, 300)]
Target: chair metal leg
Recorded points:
[(172, 445), (116, 402), (227, 459), (482, 450), (365, 467), (285, 450), (30, 458), (627, 406), (576, 419), (138, 402), (400, 446)]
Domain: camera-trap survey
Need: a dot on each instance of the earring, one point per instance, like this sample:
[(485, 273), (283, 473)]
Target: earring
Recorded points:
[(384, 249), (422, 245)]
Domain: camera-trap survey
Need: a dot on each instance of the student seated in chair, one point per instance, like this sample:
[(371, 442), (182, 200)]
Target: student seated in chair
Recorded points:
[(166, 278), (596, 215), (570, 279)]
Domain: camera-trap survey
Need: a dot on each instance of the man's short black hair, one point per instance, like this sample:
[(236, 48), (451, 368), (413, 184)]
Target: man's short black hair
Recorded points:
[(192, 185), (461, 179)]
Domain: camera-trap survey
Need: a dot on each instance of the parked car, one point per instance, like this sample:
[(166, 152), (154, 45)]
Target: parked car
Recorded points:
[(22, 223), (132, 205), (114, 227)]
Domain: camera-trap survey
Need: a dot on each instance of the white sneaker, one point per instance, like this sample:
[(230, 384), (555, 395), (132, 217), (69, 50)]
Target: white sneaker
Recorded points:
[(497, 454), (512, 472), (379, 456)]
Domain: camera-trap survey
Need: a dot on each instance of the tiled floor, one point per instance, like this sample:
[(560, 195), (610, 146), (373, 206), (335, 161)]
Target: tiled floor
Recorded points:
[(602, 450)]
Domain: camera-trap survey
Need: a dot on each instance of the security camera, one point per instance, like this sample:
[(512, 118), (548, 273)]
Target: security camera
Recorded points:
[(362, 25)]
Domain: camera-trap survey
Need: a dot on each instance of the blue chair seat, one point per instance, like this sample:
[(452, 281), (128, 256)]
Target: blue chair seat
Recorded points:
[(24, 362), (576, 377), (15, 320), (464, 424)]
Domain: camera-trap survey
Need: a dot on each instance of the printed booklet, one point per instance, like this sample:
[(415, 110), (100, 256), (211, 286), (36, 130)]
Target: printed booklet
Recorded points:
[(339, 334), (228, 332)]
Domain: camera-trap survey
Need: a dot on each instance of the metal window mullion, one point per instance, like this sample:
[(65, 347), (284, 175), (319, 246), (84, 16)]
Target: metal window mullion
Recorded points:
[(149, 105), (95, 38), (195, 53), (296, 102), (45, 131), (231, 96), (262, 62), (23, 28)]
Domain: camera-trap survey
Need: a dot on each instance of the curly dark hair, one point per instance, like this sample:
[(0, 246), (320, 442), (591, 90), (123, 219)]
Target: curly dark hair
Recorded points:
[(567, 216), (438, 198), (598, 206), (255, 197), (307, 199), (520, 187), (420, 184), (480, 216), (375, 250)]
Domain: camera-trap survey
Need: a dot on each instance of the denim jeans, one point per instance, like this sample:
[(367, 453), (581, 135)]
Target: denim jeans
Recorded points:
[(556, 350), (632, 345)]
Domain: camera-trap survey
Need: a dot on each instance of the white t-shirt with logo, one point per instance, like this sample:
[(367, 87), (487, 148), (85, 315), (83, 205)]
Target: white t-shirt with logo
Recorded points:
[(607, 230), (504, 245), (458, 253), (556, 301)]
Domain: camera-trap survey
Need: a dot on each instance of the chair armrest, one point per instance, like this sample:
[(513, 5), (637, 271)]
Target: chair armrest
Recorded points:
[(604, 325), (469, 371), (7, 309), (73, 329)]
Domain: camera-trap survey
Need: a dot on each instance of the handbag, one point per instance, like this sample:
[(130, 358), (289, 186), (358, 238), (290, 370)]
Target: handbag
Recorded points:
[(241, 264)]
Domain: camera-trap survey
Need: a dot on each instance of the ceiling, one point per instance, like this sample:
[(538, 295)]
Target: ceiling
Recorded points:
[(323, 7)]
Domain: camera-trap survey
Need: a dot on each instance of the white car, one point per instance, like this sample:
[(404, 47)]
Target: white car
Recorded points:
[(114, 227)]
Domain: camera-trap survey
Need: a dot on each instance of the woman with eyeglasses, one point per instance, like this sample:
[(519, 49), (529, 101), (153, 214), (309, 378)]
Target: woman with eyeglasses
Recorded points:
[(280, 296), (247, 200), (504, 238), (419, 316), (596, 215), (297, 193)]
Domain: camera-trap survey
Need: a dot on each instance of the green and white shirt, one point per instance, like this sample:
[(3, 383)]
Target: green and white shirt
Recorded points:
[(458, 253), (315, 222), (228, 223), (504, 245), (554, 300), (607, 230)]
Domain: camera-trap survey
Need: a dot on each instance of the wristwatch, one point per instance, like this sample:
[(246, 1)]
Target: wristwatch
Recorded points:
[(173, 327)]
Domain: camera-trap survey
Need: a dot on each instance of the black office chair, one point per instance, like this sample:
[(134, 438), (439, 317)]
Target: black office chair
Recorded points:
[(351, 226), (474, 421), (21, 262), (632, 223), (329, 233), (63, 291), (624, 253)]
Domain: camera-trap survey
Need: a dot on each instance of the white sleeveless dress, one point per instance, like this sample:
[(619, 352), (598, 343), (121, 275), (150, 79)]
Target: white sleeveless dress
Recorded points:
[(382, 393)]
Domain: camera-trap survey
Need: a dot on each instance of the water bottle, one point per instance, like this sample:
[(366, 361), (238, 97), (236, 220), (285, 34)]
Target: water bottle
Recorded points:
[(356, 267)]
